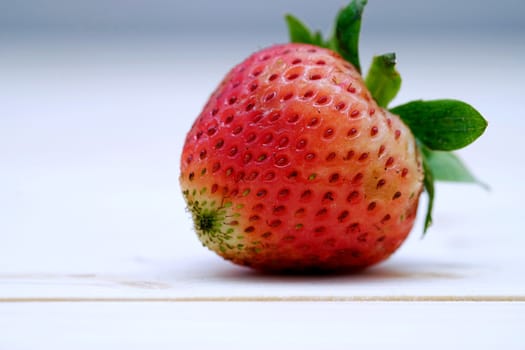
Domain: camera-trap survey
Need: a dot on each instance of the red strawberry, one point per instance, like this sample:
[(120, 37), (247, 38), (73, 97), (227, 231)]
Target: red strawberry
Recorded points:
[(292, 165)]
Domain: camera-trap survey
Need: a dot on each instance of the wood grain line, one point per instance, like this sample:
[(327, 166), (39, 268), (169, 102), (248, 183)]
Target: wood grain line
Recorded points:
[(401, 298)]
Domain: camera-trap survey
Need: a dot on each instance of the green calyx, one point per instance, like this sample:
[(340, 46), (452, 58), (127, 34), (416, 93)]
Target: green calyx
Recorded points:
[(440, 126), (383, 80), (345, 39)]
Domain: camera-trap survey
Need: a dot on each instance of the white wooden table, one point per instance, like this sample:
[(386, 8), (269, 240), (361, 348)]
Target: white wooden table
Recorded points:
[(97, 251)]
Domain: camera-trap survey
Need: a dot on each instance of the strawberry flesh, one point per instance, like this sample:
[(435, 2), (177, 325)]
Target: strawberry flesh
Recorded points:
[(292, 166)]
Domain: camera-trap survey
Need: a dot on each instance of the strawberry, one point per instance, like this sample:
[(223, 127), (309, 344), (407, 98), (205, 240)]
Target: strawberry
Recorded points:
[(295, 163)]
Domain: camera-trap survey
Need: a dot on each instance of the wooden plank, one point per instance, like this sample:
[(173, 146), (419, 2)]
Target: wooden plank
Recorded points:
[(259, 325)]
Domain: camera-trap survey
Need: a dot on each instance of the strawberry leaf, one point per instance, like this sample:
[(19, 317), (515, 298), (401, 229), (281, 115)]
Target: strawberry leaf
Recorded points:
[(428, 182), (345, 40), (442, 125), (299, 33), (347, 30), (383, 80), (446, 166)]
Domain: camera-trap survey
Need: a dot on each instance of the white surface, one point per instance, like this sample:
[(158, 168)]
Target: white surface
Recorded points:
[(262, 326), (90, 207)]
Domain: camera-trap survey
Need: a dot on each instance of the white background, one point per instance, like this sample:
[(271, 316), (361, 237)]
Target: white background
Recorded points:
[(96, 248)]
